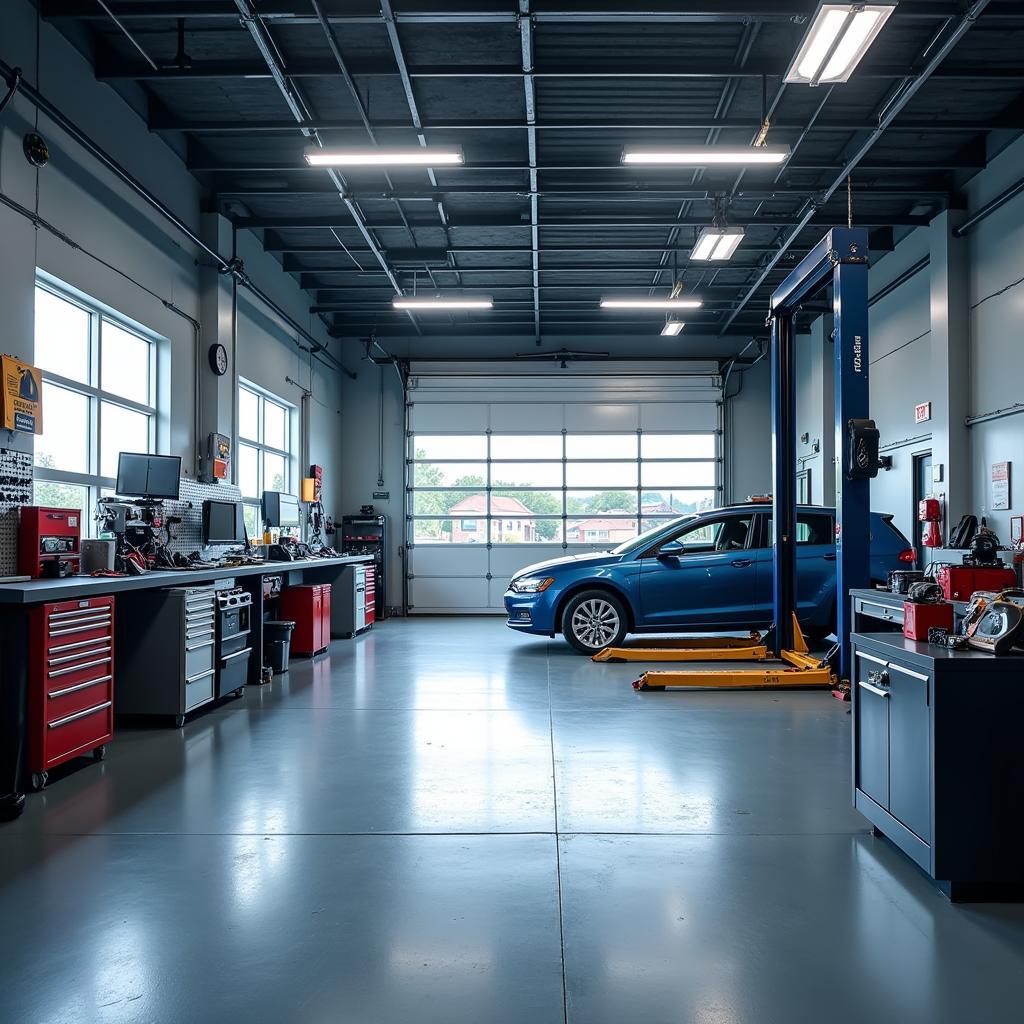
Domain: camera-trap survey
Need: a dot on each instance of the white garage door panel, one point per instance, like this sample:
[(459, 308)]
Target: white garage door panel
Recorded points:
[(450, 560), (507, 419), (428, 594), (431, 417), (508, 559), (497, 590), (601, 417), (679, 417)]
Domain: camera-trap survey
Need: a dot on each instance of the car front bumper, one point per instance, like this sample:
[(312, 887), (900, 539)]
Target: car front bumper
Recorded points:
[(531, 613)]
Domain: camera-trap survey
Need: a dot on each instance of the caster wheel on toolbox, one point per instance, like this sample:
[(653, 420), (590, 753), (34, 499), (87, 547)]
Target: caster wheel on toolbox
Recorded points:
[(100, 753), (179, 721), (39, 780), (11, 806), (240, 691)]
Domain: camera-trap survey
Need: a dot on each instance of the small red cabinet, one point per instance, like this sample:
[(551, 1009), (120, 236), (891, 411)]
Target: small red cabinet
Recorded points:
[(71, 677), (310, 609)]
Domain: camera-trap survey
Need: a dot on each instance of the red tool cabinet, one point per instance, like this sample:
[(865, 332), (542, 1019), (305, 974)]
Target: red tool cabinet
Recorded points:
[(71, 683), (310, 608), (371, 594)]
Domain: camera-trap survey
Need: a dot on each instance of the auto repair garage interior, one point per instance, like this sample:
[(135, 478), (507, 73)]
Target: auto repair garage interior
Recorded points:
[(349, 347)]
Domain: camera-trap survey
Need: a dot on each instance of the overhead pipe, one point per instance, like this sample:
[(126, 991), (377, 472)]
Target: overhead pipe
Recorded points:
[(912, 271), (45, 107), (905, 91), (989, 208)]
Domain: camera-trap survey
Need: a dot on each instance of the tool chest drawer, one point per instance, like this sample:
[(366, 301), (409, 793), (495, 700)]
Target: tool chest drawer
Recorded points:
[(71, 675)]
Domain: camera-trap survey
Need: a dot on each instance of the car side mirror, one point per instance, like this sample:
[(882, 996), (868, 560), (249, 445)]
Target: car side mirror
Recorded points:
[(671, 549)]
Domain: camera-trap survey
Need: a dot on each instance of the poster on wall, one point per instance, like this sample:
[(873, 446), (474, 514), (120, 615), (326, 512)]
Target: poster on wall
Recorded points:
[(1000, 485), (21, 396)]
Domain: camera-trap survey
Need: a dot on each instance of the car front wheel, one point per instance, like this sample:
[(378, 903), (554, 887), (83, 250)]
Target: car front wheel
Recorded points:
[(594, 620)]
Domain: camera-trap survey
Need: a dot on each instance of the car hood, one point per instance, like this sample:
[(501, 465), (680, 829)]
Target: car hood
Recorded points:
[(593, 560)]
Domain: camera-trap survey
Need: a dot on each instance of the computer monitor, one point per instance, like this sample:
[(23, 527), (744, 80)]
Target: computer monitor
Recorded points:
[(148, 476), (280, 510), (223, 522)]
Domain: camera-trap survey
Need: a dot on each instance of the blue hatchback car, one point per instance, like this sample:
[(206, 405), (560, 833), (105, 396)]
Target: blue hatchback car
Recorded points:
[(709, 571)]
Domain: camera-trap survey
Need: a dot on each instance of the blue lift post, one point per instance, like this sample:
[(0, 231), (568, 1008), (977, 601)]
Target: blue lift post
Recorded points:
[(839, 259)]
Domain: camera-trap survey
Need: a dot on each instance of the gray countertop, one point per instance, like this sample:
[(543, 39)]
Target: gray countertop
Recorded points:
[(927, 655), (67, 589)]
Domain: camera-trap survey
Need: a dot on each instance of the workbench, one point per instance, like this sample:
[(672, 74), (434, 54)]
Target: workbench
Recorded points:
[(937, 767), (873, 608), (17, 599)]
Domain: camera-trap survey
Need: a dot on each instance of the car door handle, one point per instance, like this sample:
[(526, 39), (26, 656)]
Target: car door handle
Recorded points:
[(741, 563), (830, 557)]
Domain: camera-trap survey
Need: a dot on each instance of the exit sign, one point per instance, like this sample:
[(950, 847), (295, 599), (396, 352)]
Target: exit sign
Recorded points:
[(923, 412)]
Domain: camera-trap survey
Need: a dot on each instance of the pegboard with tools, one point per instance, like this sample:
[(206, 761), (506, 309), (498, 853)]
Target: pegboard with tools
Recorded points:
[(187, 536), (15, 491)]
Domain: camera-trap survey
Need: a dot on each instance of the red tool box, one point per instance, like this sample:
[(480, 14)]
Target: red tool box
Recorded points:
[(371, 594), (310, 609), (48, 535), (71, 683), (919, 618), (959, 582)]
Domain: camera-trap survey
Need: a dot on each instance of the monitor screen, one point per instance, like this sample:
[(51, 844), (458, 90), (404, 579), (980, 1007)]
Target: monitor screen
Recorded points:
[(222, 522), (148, 476), (280, 510)]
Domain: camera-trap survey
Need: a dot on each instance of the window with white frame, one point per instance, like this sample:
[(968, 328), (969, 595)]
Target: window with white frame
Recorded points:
[(265, 460), (99, 397), (544, 488)]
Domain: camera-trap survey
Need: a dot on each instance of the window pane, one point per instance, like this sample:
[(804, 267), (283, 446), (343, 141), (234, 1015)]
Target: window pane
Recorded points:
[(651, 524), (814, 528), (248, 414), (62, 337), (677, 474), (526, 446), (121, 430), (275, 424), (522, 530), (64, 443), (601, 446), (429, 446), (526, 474), (275, 476), (666, 501), (253, 521), (449, 474), (124, 368), (622, 502), (599, 530), (513, 504), (249, 471), (439, 531), (677, 446), (53, 495), (600, 474), (442, 503)]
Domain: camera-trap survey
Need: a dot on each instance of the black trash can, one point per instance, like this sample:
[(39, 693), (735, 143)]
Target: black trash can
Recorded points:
[(277, 642)]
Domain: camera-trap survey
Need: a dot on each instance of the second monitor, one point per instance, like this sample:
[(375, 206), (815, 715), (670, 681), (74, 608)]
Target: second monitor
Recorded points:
[(223, 522), (280, 510)]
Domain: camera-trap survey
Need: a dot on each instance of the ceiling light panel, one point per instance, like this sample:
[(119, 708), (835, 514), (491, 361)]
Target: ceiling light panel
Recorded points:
[(716, 244), (838, 37), (672, 328), (706, 156), (423, 157), (432, 302), (613, 303)]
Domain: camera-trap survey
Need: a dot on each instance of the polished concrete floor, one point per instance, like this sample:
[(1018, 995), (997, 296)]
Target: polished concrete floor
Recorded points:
[(445, 822)]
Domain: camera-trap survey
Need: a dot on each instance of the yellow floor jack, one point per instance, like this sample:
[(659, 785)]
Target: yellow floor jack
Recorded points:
[(795, 668), (697, 648)]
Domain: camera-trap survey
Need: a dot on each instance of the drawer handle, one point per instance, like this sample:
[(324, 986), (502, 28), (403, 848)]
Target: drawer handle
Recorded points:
[(908, 672), (79, 686), (199, 647), (871, 688), (84, 628), (77, 645), (195, 679), (77, 655), (78, 612), (78, 668), (193, 633), (79, 714), (234, 636), (237, 654)]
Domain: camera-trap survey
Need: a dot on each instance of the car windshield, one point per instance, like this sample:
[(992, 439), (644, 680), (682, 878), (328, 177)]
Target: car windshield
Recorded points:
[(628, 546)]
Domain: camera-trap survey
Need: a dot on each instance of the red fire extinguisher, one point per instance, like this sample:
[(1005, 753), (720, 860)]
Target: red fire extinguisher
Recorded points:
[(929, 513)]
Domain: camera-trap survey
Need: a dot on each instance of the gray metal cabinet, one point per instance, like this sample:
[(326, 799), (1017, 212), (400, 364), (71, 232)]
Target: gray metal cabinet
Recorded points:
[(166, 647), (936, 767)]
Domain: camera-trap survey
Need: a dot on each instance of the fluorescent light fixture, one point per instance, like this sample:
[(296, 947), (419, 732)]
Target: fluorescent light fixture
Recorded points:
[(431, 302), (704, 156), (422, 157), (651, 303), (672, 328), (717, 243), (838, 38)]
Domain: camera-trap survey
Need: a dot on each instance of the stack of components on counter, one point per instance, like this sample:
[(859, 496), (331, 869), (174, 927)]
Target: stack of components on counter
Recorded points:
[(925, 609), (71, 691)]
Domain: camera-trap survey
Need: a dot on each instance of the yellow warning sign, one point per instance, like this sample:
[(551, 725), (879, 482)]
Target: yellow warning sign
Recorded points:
[(21, 395)]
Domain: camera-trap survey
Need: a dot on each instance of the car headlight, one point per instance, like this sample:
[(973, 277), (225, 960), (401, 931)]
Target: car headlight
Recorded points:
[(531, 584)]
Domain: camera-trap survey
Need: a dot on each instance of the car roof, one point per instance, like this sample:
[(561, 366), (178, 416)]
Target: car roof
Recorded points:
[(767, 505)]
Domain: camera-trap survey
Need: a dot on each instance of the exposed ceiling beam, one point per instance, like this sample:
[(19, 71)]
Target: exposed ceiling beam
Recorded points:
[(112, 69)]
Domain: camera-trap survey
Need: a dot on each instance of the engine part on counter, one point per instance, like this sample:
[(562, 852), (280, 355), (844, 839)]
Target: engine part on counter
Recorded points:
[(938, 635), (97, 556), (925, 592), (1000, 629), (901, 580), (984, 549)]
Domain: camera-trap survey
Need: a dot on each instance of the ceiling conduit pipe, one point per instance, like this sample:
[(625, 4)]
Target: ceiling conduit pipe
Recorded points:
[(904, 92), (45, 107), (989, 208)]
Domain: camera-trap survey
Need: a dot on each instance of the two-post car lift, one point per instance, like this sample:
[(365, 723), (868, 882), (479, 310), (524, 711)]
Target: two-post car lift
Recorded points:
[(840, 259)]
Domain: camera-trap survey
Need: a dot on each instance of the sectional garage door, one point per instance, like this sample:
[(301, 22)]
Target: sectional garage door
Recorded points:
[(508, 469)]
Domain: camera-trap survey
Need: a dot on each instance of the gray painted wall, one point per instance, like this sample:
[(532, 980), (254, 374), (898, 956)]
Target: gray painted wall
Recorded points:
[(88, 204)]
